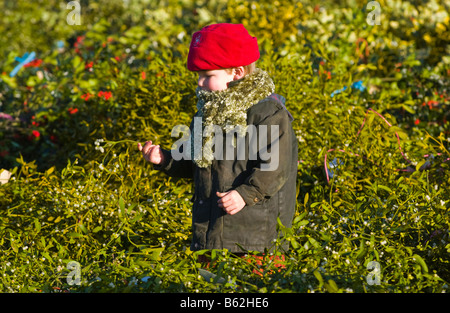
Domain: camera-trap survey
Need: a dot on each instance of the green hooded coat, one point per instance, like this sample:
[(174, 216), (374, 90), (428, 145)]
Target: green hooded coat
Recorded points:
[(268, 194)]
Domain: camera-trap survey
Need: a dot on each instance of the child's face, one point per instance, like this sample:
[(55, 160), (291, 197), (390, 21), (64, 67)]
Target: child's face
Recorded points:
[(214, 80)]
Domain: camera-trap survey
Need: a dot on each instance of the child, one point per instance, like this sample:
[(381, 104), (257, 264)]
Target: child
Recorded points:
[(238, 198)]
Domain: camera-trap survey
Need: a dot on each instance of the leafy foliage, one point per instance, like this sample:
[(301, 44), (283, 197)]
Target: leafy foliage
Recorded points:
[(80, 191)]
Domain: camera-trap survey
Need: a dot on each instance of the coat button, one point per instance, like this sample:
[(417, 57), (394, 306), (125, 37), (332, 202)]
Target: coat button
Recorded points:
[(200, 202), (256, 199)]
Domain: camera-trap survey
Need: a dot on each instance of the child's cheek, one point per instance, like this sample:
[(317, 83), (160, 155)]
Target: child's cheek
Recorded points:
[(218, 84)]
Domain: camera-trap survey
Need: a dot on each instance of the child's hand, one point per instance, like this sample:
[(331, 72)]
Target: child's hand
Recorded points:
[(151, 153), (231, 201)]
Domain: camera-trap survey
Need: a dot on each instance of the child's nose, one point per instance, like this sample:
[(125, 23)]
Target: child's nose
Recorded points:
[(200, 82)]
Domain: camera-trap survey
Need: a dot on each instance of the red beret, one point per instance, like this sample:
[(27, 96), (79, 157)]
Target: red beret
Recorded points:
[(220, 46)]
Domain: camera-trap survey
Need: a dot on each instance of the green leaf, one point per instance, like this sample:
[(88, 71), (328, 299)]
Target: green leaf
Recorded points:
[(97, 229), (318, 277), (331, 286), (305, 202), (77, 64), (50, 171), (408, 109), (14, 245), (303, 222), (125, 269), (385, 188), (362, 250), (155, 253), (294, 243), (314, 242), (37, 225), (166, 98), (421, 262), (74, 235), (83, 228), (419, 164), (121, 207)]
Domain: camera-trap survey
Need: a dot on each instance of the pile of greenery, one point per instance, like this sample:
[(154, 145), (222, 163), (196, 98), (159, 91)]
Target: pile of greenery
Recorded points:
[(371, 109)]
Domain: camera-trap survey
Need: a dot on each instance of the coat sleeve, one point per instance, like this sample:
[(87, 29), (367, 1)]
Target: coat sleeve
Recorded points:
[(175, 168), (269, 174)]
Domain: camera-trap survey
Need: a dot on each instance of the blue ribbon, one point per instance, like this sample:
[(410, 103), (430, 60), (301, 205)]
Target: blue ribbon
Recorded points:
[(356, 85), (334, 166), (27, 58), (60, 44)]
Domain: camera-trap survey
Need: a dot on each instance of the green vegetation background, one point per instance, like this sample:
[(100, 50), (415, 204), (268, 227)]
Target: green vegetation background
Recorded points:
[(80, 191)]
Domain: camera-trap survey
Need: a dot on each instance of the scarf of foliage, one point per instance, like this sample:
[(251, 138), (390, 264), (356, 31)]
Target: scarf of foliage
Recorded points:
[(228, 108)]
